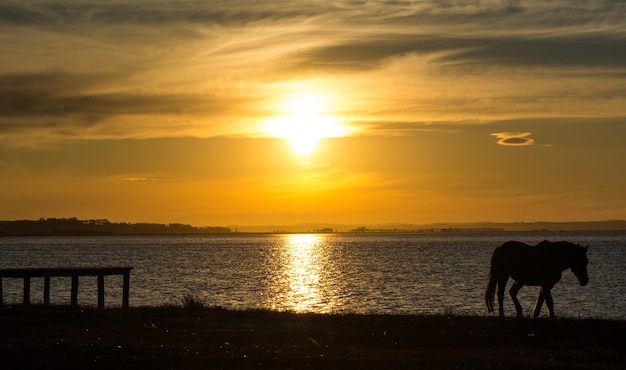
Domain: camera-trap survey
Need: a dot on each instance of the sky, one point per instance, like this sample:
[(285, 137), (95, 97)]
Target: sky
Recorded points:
[(233, 112)]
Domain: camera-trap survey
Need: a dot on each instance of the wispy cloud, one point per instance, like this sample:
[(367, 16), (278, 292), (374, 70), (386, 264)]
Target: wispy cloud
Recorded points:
[(139, 69), (514, 138)]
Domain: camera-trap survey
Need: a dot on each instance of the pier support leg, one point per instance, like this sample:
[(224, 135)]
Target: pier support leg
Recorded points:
[(100, 291), (126, 290), (46, 291), (26, 290), (74, 299)]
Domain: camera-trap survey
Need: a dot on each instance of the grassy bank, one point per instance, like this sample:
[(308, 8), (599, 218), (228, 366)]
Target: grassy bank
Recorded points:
[(203, 338)]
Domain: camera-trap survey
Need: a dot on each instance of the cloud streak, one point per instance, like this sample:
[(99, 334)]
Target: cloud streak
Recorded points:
[(514, 138), (158, 69)]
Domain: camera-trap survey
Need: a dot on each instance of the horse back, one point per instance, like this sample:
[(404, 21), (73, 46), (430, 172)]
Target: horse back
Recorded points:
[(526, 264)]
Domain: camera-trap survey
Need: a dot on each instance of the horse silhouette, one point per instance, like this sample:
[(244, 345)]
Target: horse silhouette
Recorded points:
[(539, 265)]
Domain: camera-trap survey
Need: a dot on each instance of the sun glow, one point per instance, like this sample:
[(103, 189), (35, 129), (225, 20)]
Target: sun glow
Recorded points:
[(306, 121)]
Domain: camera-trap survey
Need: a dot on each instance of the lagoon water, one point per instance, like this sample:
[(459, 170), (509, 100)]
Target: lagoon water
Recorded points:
[(423, 273)]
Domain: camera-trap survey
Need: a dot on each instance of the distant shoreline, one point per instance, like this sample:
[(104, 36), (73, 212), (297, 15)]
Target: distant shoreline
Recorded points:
[(103, 227), (252, 233)]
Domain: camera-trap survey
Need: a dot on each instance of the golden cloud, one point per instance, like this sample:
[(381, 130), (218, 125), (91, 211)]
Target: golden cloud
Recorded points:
[(514, 138)]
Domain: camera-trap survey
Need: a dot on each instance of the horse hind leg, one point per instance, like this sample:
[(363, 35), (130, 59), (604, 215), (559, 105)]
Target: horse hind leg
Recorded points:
[(540, 298), (501, 286), (550, 304), (513, 292)]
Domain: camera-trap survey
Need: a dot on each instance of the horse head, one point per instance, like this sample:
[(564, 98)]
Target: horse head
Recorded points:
[(579, 264)]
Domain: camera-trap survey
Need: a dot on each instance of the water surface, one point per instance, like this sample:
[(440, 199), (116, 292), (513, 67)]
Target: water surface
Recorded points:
[(340, 273)]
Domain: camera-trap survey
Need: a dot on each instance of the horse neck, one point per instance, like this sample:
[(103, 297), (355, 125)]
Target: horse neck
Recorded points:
[(563, 256)]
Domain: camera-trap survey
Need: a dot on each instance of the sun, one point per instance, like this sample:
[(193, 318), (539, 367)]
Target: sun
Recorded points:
[(306, 121)]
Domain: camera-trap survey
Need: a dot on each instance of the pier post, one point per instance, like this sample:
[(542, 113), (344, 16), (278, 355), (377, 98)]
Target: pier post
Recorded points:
[(46, 291), (126, 289), (100, 291), (26, 290), (74, 299)]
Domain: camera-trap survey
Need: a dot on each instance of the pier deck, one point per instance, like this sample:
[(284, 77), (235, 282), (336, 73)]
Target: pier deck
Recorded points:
[(72, 272)]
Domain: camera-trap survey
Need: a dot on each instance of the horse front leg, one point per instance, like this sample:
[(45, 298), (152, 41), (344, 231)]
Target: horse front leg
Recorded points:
[(513, 292), (540, 298)]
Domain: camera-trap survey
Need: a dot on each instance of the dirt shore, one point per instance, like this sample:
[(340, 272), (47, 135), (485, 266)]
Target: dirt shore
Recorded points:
[(213, 338)]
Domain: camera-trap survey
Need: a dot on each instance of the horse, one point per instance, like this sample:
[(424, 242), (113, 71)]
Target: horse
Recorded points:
[(539, 265)]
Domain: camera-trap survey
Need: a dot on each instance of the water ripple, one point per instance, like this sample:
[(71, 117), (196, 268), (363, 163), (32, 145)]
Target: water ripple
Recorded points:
[(342, 273)]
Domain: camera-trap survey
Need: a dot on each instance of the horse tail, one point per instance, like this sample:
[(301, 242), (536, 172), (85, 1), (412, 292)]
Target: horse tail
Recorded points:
[(490, 285)]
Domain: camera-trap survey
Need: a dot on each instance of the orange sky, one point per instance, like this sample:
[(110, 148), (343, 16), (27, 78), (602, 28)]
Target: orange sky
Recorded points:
[(167, 112)]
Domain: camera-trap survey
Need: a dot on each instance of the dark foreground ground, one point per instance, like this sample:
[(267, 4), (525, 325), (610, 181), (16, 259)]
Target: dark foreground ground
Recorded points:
[(213, 338)]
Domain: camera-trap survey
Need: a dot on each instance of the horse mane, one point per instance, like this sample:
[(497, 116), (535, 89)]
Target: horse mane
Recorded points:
[(559, 244), (544, 243)]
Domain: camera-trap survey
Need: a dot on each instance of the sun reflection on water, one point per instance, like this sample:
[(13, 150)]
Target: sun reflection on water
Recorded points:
[(303, 268)]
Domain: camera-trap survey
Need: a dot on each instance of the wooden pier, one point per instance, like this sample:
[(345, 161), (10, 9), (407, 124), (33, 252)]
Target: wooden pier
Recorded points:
[(72, 272)]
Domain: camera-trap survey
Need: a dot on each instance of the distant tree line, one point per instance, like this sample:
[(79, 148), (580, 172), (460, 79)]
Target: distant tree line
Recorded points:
[(74, 226), (363, 229)]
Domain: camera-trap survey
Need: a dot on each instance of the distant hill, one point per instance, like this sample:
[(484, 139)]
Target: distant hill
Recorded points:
[(74, 226), (436, 227)]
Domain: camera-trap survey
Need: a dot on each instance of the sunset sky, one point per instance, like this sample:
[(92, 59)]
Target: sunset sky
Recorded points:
[(241, 112)]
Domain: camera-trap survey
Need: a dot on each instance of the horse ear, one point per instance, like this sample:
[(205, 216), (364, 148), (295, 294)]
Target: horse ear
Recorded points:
[(587, 247)]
